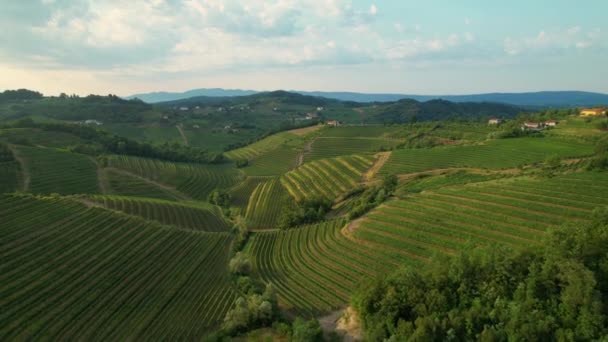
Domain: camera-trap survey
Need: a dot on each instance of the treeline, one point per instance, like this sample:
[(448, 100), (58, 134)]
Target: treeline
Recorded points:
[(109, 108), (102, 142), (20, 95), (408, 110), (556, 290)]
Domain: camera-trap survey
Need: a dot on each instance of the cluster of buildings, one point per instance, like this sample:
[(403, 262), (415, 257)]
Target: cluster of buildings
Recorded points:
[(538, 126)]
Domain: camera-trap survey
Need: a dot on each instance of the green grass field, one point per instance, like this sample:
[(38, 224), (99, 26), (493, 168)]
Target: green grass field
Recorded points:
[(56, 171), (494, 154), (69, 272), (188, 215)]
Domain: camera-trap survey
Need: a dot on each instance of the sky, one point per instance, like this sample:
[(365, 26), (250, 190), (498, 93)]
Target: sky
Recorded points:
[(380, 46)]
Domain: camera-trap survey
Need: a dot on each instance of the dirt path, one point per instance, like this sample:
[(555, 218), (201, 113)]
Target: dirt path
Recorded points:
[(172, 190), (307, 149), (344, 322), (383, 157), (24, 171), (305, 130), (102, 181), (436, 172), (181, 132)]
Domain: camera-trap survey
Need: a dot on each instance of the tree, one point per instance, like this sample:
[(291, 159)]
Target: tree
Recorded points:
[(306, 331), (555, 291), (240, 264), (219, 197), (237, 318), (389, 183), (553, 161)]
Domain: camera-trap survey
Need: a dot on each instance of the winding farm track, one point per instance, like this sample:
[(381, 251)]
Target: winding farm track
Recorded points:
[(383, 157), (24, 172), (181, 132), (307, 149)]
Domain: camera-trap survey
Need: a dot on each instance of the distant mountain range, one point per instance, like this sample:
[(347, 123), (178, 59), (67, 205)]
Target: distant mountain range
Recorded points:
[(528, 99)]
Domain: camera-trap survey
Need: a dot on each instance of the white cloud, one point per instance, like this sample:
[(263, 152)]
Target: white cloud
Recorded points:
[(373, 10), (573, 37)]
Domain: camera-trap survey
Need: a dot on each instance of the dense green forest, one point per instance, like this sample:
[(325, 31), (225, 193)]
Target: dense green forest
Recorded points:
[(556, 292)]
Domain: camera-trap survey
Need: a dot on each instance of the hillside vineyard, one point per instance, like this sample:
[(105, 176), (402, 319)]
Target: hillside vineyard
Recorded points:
[(150, 236)]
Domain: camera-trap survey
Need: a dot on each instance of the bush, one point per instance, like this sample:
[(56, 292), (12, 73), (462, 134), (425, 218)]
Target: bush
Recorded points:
[(240, 264), (242, 163), (306, 331), (220, 198)]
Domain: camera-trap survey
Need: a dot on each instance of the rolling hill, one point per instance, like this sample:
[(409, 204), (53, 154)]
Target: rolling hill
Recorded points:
[(524, 99)]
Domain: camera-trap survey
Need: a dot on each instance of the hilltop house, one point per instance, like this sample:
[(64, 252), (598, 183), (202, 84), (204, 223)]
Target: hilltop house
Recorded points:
[(533, 126), (494, 121), (312, 116), (551, 123), (333, 123), (93, 122), (593, 111)]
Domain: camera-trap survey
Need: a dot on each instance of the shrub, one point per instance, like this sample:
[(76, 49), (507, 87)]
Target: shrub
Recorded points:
[(240, 264)]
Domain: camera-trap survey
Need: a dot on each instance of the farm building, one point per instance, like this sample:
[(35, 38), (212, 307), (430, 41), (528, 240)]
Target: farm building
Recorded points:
[(551, 123), (593, 111), (92, 122), (494, 121), (532, 126), (333, 123), (311, 116)]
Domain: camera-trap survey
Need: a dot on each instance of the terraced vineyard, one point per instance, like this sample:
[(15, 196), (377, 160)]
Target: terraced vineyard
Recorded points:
[(273, 163), (266, 203), (188, 215), (260, 147), (241, 192), (495, 154), (34, 136), (121, 183), (327, 177), (194, 180), (56, 171), (69, 272), (314, 268), (326, 147), (10, 171), (512, 212)]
